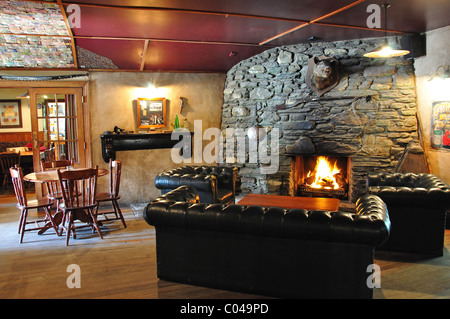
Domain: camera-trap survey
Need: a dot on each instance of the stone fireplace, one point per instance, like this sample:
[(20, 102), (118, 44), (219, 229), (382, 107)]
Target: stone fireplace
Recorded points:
[(320, 176), (368, 118)]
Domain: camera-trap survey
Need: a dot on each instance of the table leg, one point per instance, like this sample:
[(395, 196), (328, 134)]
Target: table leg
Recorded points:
[(57, 219)]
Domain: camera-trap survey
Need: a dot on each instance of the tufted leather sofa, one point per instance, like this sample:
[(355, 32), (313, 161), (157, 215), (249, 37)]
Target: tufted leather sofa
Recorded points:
[(268, 251), (214, 184), (417, 206)]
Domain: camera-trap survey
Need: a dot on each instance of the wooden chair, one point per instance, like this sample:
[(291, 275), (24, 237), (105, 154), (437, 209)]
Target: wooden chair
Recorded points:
[(53, 189), (49, 155), (115, 170), (8, 160), (24, 205), (78, 192)]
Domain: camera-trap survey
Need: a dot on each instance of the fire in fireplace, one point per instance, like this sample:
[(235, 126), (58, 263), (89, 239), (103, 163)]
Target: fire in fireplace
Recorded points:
[(320, 176)]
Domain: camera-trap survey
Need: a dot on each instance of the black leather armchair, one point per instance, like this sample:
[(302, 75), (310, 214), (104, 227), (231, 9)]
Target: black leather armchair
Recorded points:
[(214, 184), (417, 205), (268, 251)]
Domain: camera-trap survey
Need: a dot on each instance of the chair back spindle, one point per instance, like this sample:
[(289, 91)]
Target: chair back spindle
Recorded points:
[(18, 184), (53, 189), (78, 187), (115, 168)]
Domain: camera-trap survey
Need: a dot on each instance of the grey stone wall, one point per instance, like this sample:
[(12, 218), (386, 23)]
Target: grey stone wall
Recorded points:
[(370, 115)]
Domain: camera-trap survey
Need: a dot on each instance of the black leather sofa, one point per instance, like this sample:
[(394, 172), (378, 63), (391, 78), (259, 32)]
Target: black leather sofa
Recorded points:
[(214, 184), (417, 205), (267, 251)]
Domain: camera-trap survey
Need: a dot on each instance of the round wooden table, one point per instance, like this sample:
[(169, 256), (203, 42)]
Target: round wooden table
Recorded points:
[(52, 176)]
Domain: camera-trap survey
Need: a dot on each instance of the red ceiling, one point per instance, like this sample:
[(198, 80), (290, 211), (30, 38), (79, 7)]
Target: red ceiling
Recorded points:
[(199, 35)]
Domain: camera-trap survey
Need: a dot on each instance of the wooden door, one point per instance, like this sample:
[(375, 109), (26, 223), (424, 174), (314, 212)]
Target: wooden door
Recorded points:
[(58, 125)]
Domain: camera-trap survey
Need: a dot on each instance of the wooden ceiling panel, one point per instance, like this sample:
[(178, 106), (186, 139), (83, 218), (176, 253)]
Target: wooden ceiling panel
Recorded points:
[(101, 22), (199, 35), (283, 9), (165, 56), (410, 16)]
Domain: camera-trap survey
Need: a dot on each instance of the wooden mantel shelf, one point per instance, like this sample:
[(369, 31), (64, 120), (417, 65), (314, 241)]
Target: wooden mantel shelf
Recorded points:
[(111, 142)]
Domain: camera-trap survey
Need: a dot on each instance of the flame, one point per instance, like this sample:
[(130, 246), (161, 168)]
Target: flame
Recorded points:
[(324, 174)]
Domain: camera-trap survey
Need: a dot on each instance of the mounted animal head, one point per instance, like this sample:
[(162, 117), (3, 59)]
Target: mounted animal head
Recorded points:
[(322, 74)]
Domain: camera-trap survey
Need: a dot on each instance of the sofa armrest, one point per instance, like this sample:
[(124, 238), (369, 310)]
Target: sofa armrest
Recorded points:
[(424, 190), (227, 177), (199, 181)]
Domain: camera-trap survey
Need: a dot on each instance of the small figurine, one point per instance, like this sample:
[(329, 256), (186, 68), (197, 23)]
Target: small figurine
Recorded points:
[(118, 130), (181, 104)]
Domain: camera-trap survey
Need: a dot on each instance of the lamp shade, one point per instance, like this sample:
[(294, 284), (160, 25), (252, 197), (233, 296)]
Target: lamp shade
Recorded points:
[(386, 51)]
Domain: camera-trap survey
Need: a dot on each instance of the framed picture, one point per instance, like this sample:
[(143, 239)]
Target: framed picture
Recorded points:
[(440, 125), (10, 114), (151, 112)]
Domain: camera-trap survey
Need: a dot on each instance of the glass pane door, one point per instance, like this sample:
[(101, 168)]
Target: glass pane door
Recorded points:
[(57, 123)]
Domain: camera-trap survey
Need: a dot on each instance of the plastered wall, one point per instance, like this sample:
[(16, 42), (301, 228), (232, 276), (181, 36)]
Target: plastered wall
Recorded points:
[(113, 101), (437, 48)]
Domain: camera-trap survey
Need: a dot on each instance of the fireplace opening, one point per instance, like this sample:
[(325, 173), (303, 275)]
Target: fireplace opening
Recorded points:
[(320, 176)]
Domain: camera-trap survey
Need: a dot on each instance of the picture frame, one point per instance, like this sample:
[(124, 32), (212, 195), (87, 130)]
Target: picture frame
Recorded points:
[(10, 114), (151, 113), (440, 125)]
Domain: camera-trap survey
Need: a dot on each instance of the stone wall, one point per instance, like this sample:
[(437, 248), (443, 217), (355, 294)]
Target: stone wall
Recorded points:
[(370, 115)]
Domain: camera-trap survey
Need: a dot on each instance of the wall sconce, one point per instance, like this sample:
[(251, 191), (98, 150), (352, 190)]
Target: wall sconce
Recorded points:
[(25, 95), (439, 84), (442, 73)]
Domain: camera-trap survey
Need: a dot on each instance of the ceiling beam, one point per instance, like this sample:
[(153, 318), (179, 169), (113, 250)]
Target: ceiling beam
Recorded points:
[(312, 21), (144, 54), (133, 39), (69, 29)]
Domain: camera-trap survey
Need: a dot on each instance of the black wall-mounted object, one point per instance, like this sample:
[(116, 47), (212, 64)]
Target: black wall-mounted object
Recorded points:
[(111, 143), (416, 44)]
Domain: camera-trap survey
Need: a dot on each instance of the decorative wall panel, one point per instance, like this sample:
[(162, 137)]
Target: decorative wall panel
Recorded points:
[(33, 35)]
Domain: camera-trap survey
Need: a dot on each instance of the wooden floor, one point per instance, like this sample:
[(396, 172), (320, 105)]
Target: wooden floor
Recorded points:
[(123, 265)]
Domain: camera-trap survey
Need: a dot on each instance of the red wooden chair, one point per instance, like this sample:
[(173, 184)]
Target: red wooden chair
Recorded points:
[(78, 192), (115, 171), (53, 189), (7, 160), (24, 205)]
